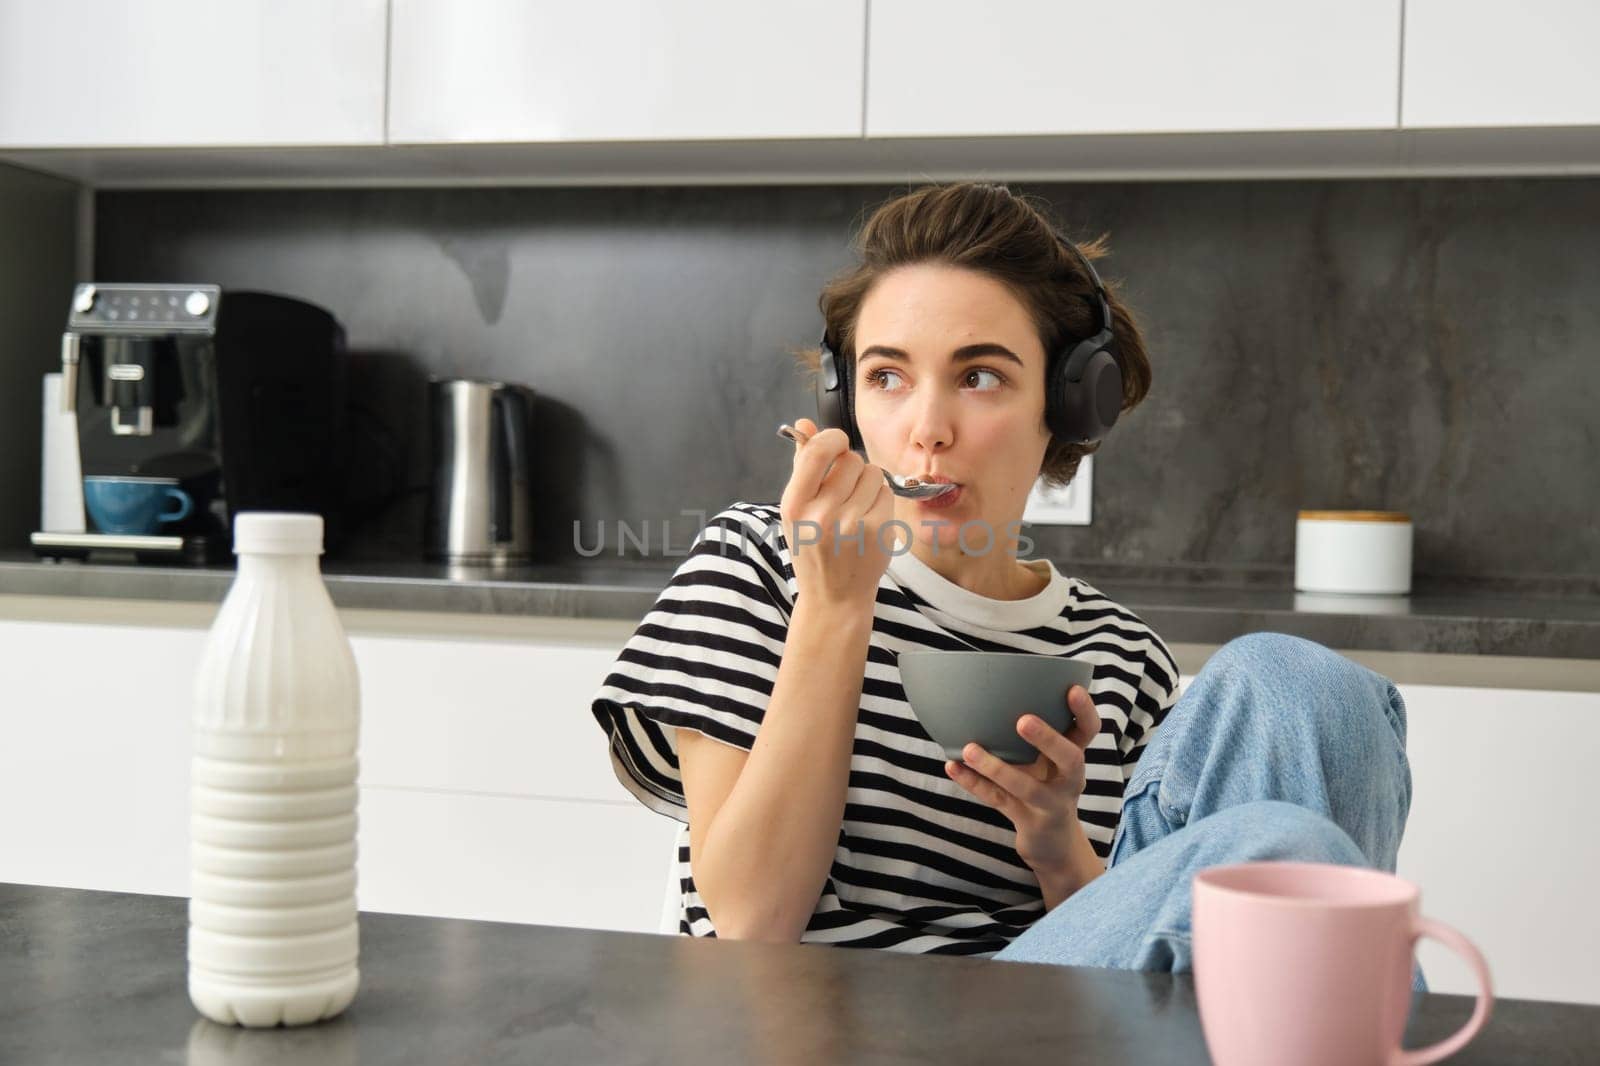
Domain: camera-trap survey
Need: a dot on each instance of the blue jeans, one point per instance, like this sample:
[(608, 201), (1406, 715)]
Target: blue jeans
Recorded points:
[(1279, 749)]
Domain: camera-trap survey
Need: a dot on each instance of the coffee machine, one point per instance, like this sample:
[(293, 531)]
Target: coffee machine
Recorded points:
[(194, 403)]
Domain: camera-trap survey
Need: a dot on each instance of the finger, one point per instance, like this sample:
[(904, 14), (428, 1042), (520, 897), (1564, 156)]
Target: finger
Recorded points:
[(980, 787), (857, 535), (836, 489), (1086, 719), (879, 515), (1012, 779), (1055, 748), (869, 484), (812, 461), (825, 515), (800, 433)]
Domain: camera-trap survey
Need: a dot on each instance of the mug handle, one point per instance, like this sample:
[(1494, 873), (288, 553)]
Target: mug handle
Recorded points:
[(1463, 947), (185, 505)]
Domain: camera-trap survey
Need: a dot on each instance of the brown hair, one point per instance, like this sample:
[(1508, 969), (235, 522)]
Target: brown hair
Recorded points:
[(989, 229)]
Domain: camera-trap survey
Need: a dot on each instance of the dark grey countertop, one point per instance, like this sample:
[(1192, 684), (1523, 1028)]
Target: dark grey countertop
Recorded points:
[(1491, 619), (98, 977)]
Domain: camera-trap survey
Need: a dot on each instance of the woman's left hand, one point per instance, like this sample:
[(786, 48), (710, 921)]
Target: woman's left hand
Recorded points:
[(1040, 798)]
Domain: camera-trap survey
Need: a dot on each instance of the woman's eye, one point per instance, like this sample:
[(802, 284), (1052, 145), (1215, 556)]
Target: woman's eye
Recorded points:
[(995, 379), (877, 379)]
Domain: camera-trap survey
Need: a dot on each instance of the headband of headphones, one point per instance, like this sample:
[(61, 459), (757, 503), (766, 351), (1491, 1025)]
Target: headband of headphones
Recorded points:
[(1083, 383)]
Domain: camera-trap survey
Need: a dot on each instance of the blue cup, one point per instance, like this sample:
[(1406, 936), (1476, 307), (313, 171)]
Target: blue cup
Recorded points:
[(138, 505)]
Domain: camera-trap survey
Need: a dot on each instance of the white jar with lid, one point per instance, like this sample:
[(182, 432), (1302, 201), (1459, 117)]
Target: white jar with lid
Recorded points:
[(272, 910), (1365, 552)]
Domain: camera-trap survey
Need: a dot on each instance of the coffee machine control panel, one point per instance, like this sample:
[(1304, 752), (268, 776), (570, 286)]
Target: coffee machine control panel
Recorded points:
[(143, 308)]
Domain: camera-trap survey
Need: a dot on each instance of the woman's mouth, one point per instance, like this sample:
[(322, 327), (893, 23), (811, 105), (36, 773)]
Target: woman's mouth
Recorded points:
[(944, 500)]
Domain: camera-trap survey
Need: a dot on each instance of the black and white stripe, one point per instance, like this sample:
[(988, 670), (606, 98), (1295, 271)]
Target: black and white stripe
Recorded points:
[(921, 866)]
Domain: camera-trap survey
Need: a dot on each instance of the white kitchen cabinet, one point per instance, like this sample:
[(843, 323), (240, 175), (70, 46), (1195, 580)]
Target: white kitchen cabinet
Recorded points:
[(542, 70), (187, 73), (1483, 63), (1502, 838), (94, 755), (486, 787), (1022, 67), (503, 718), (514, 859)]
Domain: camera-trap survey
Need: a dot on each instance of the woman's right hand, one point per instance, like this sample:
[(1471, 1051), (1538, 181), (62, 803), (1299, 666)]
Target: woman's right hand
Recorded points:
[(834, 511)]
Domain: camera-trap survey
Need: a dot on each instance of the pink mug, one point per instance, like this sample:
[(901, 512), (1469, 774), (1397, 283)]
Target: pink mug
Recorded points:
[(1310, 963)]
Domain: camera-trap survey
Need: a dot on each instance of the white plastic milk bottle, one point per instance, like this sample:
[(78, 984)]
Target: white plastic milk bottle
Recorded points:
[(272, 914)]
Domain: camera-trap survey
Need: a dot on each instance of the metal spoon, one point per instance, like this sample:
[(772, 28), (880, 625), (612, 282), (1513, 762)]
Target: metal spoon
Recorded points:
[(909, 487)]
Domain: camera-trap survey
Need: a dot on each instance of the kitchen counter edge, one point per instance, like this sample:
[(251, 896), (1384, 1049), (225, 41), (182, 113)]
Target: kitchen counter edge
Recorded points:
[(1456, 624)]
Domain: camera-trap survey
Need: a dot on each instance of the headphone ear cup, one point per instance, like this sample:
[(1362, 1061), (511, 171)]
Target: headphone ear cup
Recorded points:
[(830, 405), (833, 397), (1087, 392)]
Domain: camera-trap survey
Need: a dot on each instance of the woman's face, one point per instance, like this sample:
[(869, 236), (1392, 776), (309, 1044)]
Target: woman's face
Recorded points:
[(949, 385)]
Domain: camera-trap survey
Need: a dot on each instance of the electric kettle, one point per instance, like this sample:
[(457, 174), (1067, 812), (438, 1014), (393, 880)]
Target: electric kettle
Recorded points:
[(479, 507)]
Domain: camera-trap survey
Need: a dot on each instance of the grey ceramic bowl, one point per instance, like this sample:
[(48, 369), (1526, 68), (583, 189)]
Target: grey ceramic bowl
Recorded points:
[(962, 696)]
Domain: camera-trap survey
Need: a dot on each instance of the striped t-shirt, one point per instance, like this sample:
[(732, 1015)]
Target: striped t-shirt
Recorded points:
[(921, 865)]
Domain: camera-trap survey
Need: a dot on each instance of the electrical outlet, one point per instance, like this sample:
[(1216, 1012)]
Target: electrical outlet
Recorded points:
[(1062, 507)]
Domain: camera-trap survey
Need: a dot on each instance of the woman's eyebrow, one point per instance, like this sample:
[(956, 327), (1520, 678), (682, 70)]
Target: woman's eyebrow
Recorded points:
[(963, 354)]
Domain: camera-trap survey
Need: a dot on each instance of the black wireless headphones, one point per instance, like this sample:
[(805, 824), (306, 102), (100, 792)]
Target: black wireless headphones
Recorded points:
[(1083, 383)]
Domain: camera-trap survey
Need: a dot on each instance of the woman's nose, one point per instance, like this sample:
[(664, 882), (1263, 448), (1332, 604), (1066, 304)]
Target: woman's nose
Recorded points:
[(932, 428)]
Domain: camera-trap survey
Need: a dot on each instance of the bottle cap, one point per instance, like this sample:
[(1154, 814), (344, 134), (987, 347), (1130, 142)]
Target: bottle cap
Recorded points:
[(277, 533)]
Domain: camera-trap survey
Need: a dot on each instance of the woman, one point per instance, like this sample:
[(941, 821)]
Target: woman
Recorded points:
[(759, 700)]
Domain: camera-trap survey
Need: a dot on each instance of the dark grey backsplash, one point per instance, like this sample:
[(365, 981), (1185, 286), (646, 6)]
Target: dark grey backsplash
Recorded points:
[(1426, 346)]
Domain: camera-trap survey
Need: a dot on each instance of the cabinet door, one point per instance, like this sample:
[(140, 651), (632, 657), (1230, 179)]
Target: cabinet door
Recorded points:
[(94, 755), (1501, 837), (538, 70), (947, 68), (496, 717), (1475, 63), (109, 73), (510, 859)]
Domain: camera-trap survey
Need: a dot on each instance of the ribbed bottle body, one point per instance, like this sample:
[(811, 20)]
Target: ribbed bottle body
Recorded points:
[(272, 915)]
